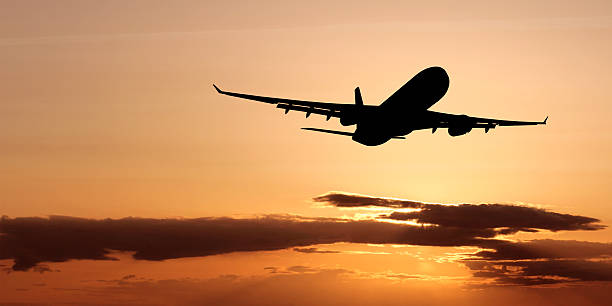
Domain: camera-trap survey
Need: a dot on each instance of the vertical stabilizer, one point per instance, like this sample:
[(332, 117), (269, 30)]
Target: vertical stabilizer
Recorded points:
[(358, 99)]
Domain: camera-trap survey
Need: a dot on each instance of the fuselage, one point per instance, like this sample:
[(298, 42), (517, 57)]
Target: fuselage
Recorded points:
[(404, 111)]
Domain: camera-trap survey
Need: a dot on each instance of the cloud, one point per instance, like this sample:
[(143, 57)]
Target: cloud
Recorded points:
[(523, 263), (543, 272), (546, 249), (341, 199), (300, 285), (307, 285), (583, 270), (33, 241), (30, 241), (315, 250), (508, 218), (543, 262), (302, 269)]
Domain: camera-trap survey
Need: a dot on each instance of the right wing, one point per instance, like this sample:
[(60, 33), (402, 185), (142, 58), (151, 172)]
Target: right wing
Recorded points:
[(309, 107), (446, 120)]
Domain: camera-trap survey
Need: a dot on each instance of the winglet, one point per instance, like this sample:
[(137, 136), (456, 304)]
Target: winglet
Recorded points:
[(544, 122), (217, 88)]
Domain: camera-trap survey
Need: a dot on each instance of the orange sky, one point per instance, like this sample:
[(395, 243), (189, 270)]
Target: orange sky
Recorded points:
[(108, 111)]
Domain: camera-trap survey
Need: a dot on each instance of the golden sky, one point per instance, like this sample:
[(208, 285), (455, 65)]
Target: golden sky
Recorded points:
[(107, 111)]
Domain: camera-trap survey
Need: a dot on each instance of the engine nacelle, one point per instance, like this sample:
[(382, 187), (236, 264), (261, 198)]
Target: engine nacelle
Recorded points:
[(458, 130)]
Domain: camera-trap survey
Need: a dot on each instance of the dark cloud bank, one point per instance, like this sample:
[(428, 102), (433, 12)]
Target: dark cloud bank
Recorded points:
[(536, 262), (510, 217), (31, 241)]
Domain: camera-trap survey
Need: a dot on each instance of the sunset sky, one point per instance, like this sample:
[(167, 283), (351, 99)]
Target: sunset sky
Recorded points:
[(125, 178)]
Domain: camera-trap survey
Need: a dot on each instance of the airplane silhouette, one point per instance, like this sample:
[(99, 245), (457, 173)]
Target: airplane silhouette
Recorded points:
[(403, 112)]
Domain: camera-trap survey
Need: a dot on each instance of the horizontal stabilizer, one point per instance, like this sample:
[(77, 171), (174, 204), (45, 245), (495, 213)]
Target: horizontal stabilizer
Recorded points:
[(330, 131), (342, 132)]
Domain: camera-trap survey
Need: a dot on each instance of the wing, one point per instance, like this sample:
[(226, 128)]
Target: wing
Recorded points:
[(309, 107), (446, 120)]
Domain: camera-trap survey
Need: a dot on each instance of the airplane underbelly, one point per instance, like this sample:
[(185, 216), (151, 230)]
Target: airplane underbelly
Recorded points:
[(373, 132), (370, 139)]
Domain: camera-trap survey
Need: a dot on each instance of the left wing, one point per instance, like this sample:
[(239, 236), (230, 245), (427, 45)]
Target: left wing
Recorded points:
[(309, 107), (446, 120)]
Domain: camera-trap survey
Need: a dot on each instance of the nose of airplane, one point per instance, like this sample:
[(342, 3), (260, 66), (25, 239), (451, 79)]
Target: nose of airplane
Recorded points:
[(437, 73), (438, 81)]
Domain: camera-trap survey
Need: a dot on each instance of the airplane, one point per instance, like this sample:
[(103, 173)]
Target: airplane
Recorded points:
[(403, 112)]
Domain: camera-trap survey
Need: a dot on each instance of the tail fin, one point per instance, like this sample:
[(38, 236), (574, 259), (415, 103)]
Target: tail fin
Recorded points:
[(358, 99)]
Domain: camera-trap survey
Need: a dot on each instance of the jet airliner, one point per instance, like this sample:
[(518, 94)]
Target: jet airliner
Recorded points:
[(404, 111)]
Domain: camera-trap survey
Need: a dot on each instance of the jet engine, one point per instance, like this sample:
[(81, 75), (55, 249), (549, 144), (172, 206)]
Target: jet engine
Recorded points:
[(459, 130)]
